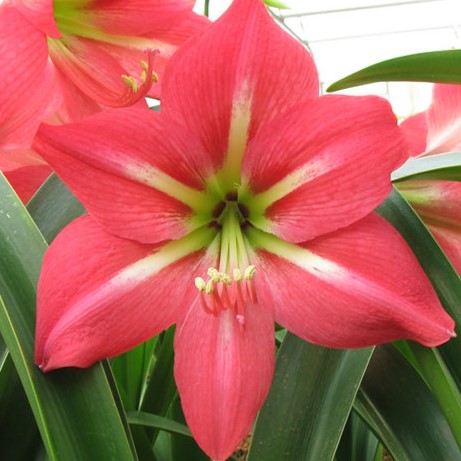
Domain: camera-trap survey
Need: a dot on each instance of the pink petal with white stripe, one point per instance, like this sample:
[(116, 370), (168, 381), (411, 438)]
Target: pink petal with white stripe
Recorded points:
[(223, 373), (308, 167), (236, 76), (99, 295), (357, 287), (141, 175)]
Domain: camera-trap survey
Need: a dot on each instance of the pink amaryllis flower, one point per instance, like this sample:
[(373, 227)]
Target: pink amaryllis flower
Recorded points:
[(438, 202), (80, 54), (241, 203)]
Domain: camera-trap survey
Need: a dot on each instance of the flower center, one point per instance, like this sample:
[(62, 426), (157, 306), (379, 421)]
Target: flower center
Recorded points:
[(230, 285)]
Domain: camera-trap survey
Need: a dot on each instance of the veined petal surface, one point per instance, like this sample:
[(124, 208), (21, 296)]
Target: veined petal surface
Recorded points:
[(223, 373), (40, 14), (308, 167), (140, 173), (449, 238), (98, 74), (415, 131), (357, 287), (89, 285), (438, 203), (24, 64), (236, 76), (138, 17), (27, 179), (444, 120)]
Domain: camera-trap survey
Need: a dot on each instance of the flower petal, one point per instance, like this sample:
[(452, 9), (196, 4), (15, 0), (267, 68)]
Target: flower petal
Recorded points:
[(40, 14), (444, 120), (223, 373), (97, 74), (26, 180), (310, 166), (436, 201), (356, 287), (99, 295), (24, 64), (136, 174), (235, 76), (166, 42), (449, 238), (140, 17), (415, 131)]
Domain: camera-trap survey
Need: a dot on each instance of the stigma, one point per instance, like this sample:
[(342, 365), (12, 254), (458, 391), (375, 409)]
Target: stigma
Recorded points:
[(222, 291)]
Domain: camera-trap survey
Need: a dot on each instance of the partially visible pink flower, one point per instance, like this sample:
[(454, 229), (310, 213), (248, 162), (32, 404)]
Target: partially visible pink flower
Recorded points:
[(241, 203), (61, 61), (438, 202), (438, 129)]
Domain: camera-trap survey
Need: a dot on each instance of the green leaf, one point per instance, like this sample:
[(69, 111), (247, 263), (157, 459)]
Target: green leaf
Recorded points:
[(442, 385), (309, 402), (358, 443), (77, 411), (440, 272), (435, 66), (442, 167), (19, 436), (277, 4), (161, 389), (400, 408), (161, 423), (53, 207)]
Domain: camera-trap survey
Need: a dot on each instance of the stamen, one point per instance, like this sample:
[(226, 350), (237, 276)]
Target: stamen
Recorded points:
[(132, 83), (225, 292)]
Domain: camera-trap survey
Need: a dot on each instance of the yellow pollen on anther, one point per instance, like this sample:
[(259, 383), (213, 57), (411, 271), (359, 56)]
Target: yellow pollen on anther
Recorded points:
[(249, 272), (237, 275), (222, 291), (130, 82), (200, 284)]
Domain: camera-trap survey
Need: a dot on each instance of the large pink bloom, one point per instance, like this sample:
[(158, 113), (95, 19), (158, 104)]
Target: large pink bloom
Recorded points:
[(438, 202), (240, 204), (62, 60)]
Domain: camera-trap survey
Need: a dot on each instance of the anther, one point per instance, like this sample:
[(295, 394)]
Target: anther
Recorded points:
[(130, 82), (244, 211), (237, 275), (218, 209), (249, 272), (231, 196), (200, 284)]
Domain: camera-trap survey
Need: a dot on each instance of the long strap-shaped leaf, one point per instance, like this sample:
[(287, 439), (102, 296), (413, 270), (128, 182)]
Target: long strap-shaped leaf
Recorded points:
[(404, 413), (309, 402), (76, 411), (444, 278), (435, 66)]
